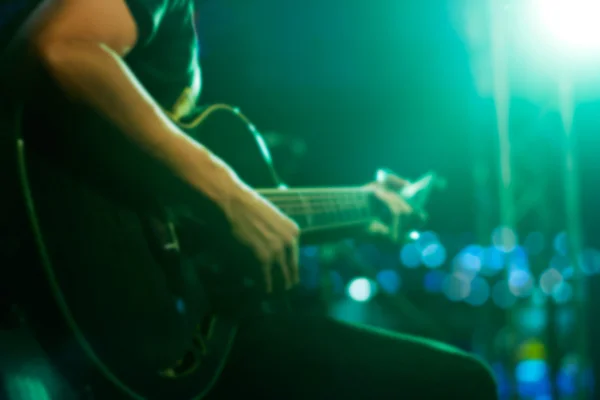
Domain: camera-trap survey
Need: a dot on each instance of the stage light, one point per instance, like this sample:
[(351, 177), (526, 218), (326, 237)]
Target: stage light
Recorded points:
[(570, 25)]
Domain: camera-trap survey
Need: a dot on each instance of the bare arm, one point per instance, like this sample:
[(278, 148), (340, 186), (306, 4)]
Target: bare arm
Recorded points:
[(81, 44)]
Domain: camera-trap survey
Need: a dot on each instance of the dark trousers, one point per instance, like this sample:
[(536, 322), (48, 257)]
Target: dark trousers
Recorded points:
[(296, 358), (281, 357)]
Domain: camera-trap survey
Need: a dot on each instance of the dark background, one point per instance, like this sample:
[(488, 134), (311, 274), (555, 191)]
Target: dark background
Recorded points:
[(365, 86)]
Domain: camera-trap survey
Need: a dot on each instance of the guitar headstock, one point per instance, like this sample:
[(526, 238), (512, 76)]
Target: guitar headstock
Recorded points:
[(416, 193)]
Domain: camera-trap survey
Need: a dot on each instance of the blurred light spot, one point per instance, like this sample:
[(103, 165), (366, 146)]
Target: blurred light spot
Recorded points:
[(533, 379), (504, 239), (502, 378), (534, 243), (360, 289), (518, 259), (434, 281), (468, 261), (531, 371), (590, 261), (566, 383), (562, 293), (480, 292), (410, 255), (434, 255), (389, 281), (570, 26), (381, 175), (520, 282), (492, 261), (456, 287), (561, 244), (502, 296), (540, 390), (414, 235), (532, 320), (566, 380), (426, 239), (532, 349), (549, 279), (180, 306)]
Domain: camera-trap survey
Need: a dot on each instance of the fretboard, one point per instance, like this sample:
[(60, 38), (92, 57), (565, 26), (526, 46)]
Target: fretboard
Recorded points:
[(323, 208)]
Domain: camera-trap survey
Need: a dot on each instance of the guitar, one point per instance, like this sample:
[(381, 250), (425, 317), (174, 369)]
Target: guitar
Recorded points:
[(137, 301)]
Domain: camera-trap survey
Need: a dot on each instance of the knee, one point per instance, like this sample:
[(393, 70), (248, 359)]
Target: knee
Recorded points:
[(478, 379)]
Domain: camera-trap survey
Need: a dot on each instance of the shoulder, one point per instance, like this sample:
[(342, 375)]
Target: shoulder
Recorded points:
[(152, 15)]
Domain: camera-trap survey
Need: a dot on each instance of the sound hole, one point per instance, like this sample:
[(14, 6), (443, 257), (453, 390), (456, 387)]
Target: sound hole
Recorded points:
[(191, 360)]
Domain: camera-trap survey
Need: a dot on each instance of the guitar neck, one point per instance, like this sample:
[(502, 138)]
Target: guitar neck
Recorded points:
[(321, 209)]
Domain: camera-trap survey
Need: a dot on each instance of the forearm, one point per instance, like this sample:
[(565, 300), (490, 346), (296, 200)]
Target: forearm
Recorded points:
[(95, 75)]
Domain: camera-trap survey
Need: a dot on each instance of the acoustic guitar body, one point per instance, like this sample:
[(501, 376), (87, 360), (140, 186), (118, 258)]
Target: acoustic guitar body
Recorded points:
[(124, 298)]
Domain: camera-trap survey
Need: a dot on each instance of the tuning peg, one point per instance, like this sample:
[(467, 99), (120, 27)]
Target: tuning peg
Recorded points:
[(384, 175)]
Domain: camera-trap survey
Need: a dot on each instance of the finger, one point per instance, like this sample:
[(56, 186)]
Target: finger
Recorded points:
[(404, 207), (390, 179), (285, 268), (395, 182), (395, 203), (377, 228)]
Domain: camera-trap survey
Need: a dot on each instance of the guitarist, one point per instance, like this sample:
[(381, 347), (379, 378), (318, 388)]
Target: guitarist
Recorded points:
[(129, 60)]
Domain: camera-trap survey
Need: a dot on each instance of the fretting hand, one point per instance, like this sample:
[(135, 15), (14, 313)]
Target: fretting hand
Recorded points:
[(270, 235), (387, 191)]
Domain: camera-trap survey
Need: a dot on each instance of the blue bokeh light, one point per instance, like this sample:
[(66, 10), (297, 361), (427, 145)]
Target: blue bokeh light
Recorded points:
[(434, 255), (425, 239), (520, 282), (532, 320), (492, 261), (389, 281), (480, 292), (561, 244), (549, 279), (469, 261), (590, 261), (434, 281), (456, 287), (504, 239), (410, 255)]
